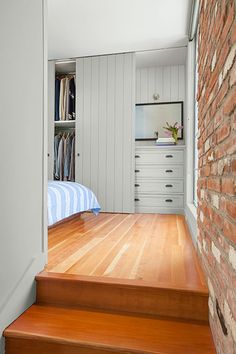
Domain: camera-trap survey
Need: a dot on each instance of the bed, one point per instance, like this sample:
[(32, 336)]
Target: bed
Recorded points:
[(69, 198)]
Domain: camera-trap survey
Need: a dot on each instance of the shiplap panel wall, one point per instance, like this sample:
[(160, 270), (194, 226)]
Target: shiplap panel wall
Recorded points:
[(105, 129), (167, 81)]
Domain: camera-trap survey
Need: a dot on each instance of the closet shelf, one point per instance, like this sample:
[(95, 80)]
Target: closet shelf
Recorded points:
[(63, 123)]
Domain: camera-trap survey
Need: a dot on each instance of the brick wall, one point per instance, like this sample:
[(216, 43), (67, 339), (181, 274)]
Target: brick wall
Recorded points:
[(217, 163)]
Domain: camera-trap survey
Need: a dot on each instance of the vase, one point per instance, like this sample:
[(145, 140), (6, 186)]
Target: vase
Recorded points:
[(175, 136)]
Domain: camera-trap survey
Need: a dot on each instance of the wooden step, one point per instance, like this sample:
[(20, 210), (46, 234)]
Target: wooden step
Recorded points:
[(50, 329), (120, 294)]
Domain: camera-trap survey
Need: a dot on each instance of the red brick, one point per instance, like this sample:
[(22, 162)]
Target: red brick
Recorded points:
[(230, 102), (222, 93), (228, 23), (233, 33), (229, 230), (230, 208), (223, 132), (214, 184), (233, 75), (218, 220), (228, 185), (233, 166)]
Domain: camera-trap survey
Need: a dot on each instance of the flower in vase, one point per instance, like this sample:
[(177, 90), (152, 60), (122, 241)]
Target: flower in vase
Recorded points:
[(173, 130)]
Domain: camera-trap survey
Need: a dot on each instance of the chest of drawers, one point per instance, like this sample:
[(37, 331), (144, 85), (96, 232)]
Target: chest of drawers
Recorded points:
[(159, 179)]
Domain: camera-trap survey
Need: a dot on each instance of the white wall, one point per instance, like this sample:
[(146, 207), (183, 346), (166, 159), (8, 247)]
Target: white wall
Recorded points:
[(22, 249), (190, 209), (167, 81), (105, 130)]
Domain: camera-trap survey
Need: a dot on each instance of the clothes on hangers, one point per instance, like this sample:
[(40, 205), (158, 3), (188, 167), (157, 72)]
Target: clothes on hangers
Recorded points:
[(64, 156), (57, 98), (72, 165), (71, 106), (65, 97), (57, 139)]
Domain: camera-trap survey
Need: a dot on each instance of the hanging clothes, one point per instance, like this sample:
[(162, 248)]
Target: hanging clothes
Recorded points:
[(72, 165), (61, 158), (62, 99), (57, 98), (64, 156), (71, 108), (67, 154), (65, 97), (57, 139)]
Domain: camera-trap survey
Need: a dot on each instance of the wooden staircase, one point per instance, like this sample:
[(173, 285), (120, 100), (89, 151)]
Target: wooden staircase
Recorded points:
[(83, 315)]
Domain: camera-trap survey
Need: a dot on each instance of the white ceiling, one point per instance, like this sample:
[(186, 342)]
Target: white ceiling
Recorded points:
[(172, 56), (92, 27)]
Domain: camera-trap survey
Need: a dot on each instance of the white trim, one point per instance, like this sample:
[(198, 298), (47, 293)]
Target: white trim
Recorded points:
[(45, 131), (194, 19), (191, 218), (190, 208)]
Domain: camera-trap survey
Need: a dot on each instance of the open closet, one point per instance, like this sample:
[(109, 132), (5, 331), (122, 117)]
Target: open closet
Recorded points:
[(120, 102), (62, 120), (103, 125)]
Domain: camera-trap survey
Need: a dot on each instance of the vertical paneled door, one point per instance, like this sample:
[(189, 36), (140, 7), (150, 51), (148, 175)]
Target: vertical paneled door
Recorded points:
[(105, 129), (166, 81)]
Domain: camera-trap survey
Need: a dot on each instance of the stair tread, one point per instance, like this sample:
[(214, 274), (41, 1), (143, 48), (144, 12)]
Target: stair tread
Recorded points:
[(107, 330)]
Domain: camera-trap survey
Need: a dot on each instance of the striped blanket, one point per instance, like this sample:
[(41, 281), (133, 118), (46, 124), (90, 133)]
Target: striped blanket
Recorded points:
[(68, 198)]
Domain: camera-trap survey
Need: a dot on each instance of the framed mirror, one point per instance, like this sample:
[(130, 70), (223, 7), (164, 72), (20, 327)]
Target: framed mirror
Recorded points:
[(152, 117)]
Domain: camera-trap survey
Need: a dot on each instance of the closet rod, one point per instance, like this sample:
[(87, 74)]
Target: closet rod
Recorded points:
[(70, 73)]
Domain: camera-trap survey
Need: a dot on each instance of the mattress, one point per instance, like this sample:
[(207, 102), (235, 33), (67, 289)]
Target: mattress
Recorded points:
[(68, 198)]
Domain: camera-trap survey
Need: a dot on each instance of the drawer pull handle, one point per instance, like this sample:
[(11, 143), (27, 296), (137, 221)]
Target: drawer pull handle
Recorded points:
[(169, 156), (136, 200), (137, 185), (169, 171), (169, 185), (137, 170), (137, 156), (169, 200)]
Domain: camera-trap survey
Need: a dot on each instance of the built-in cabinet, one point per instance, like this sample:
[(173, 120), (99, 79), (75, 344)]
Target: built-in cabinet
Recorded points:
[(168, 82), (159, 179), (125, 178)]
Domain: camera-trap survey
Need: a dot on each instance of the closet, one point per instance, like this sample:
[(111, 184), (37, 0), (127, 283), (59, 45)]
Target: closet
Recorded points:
[(104, 126), (126, 174), (62, 120)]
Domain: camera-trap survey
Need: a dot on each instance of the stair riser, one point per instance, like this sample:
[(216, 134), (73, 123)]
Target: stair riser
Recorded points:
[(125, 298)]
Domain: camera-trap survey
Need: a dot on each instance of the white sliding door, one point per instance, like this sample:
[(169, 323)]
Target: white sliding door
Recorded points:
[(105, 129)]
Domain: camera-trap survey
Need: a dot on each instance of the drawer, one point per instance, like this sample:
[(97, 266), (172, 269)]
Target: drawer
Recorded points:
[(161, 171), (159, 186), (159, 157), (160, 201)]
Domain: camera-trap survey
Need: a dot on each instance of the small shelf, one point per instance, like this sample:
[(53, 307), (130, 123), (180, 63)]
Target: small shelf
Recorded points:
[(64, 123)]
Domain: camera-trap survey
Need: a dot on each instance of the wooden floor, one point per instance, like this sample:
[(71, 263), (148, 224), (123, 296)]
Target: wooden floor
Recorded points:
[(152, 248), (117, 283)]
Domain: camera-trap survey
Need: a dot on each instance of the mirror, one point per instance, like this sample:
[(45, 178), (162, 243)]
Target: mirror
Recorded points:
[(152, 117)]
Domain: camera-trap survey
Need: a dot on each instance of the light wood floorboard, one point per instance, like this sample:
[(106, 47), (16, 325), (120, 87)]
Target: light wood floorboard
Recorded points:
[(152, 248)]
